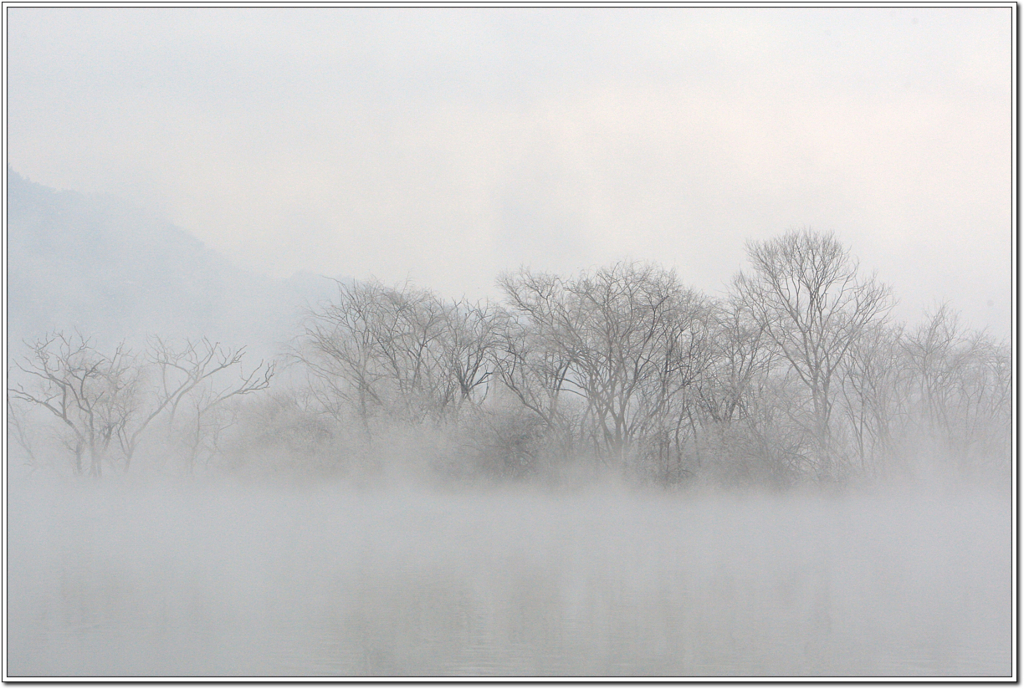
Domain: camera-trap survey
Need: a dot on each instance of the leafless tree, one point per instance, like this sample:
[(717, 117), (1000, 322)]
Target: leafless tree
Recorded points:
[(470, 343), (339, 351), (105, 403), (961, 386), (875, 382), (626, 340), (731, 392), (400, 354), (91, 394), (411, 350), (741, 355), (538, 345), (195, 375), (806, 293), (17, 432)]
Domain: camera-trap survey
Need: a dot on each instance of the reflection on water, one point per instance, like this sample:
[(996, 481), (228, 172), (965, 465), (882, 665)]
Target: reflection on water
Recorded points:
[(198, 582)]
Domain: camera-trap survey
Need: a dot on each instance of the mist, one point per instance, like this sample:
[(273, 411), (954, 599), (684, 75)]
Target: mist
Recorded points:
[(332, 581), (413, 486), (525, 343)]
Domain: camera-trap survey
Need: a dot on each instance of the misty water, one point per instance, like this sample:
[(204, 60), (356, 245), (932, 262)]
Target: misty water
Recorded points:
[(205, 578)]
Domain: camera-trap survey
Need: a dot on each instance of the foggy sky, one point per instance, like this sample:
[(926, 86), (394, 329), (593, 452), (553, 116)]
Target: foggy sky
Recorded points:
[(446, 146)]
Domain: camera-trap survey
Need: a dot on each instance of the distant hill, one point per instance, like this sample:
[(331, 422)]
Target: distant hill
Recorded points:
[(113, 271)]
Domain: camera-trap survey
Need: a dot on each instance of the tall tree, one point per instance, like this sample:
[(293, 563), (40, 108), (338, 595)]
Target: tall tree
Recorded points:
[(399, 353), (806, 293), (626, 339)]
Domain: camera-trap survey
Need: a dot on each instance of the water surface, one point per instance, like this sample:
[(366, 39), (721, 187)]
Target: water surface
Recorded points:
[(197, 580)]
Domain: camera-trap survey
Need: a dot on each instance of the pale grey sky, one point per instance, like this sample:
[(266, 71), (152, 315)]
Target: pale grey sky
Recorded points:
[(448, 145)]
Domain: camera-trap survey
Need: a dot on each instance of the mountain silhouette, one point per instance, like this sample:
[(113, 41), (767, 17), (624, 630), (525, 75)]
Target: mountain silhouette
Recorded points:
[(113, 271)]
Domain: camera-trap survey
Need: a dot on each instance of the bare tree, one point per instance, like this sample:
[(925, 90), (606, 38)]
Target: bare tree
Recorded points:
[(731, 391), (105, 403), (470, 343), (91, 394), (339, 351), (626, 340), (741, 355), (17, 431), (961, 386), (195, 375), (539, 343), (534, 361), (874, 389), (806, 293), (398, 353), (410, 350)]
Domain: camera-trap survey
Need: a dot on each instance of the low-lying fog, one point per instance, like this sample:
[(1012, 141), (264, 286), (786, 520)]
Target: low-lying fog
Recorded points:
[(335, 519), (205, 578), (614, 344)]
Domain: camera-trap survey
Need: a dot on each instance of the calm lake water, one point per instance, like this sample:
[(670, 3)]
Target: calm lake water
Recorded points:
[(196, 580)]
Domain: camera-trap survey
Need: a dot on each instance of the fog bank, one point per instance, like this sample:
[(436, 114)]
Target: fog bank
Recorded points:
[(203, 580)]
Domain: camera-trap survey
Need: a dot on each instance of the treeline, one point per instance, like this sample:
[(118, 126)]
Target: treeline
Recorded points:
[(798, 374)]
